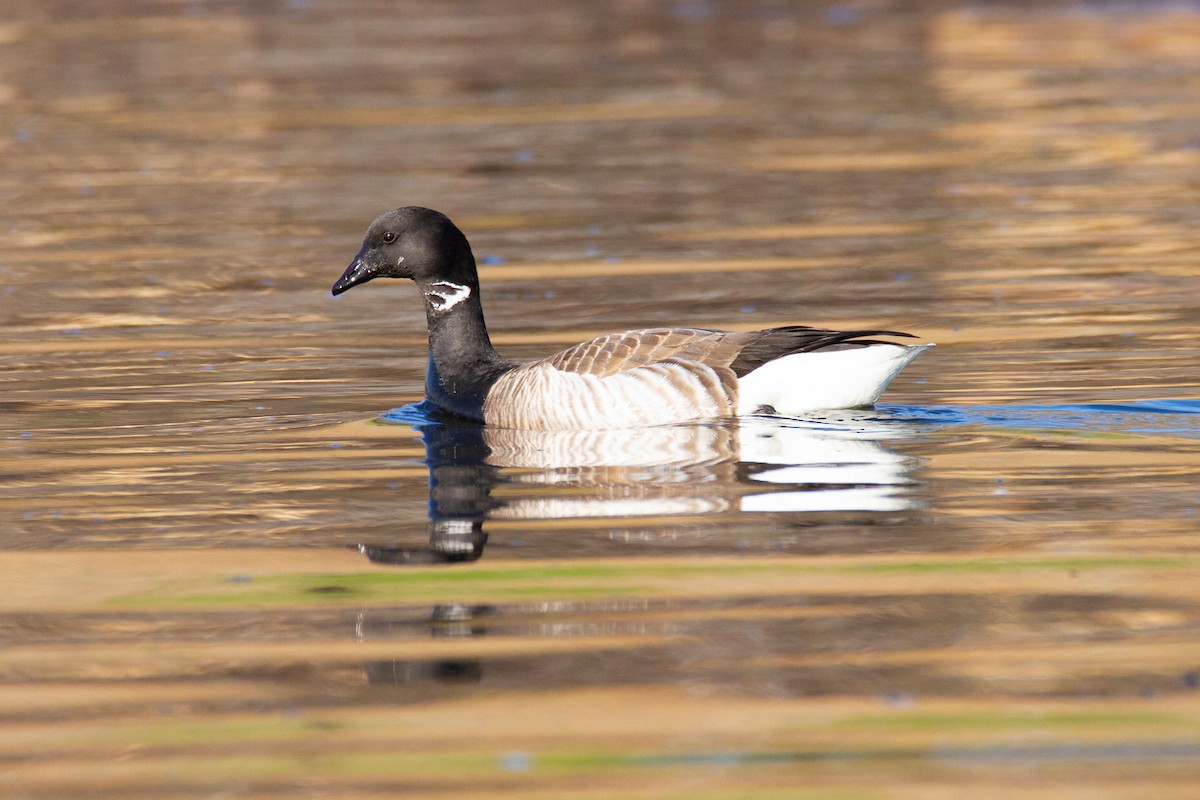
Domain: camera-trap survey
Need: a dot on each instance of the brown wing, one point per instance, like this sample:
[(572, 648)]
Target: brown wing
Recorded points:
[(618, 352), (737, 351)]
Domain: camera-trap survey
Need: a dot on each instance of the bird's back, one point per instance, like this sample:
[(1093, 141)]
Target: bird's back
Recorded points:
[(651, 376)]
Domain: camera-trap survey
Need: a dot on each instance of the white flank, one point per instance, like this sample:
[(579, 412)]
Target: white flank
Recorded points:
[(444, 299), (828, 379), (544, 398)]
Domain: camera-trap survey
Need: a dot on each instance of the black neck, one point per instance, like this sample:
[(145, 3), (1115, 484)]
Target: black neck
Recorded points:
[(463, 365)]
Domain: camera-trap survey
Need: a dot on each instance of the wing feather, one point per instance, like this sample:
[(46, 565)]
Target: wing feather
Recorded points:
[(742, 352), (648, 377)]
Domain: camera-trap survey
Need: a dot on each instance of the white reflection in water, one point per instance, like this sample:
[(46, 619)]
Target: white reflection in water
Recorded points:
[(841, 466), (755, 464)]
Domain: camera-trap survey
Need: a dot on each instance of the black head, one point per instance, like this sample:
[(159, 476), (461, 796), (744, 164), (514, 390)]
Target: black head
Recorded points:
[(415, 243)]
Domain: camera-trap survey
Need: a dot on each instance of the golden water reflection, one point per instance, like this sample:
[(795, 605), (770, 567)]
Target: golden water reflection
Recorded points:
[(988, 590)]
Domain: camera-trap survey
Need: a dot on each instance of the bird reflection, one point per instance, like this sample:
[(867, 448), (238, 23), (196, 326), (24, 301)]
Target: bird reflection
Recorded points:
[(453, 620), (461, 478), (755, 464)]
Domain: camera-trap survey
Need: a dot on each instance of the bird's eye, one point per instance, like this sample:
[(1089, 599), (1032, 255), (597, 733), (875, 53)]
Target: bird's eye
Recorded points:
[(388, 237)]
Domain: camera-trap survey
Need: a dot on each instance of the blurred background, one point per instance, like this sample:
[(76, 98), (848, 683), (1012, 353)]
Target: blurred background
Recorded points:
[(964, 171), (190, 460)]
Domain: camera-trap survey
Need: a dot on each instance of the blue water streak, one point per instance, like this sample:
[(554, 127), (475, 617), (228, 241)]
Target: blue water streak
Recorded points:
[(1167, 417)]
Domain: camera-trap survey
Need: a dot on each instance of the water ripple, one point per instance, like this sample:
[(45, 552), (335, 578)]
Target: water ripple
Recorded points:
[(1167, 417)]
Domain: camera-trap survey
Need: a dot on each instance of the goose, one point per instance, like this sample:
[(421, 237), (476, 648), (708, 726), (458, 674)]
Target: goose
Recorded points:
[(636, 378)]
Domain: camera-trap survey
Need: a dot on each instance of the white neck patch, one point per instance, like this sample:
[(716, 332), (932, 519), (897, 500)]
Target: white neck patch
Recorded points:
[(444, 295)]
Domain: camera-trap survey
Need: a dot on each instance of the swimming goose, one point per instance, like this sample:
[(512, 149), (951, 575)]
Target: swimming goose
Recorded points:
[(642, 377)]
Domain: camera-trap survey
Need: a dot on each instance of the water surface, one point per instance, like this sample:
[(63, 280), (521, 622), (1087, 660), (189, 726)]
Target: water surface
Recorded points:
[(240, 560)]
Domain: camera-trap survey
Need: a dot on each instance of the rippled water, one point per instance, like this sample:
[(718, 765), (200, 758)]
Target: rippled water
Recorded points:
[(241, 559), (1166, 417)]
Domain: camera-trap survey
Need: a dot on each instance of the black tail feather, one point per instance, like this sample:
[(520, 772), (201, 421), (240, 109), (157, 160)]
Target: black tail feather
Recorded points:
[(779, 342)]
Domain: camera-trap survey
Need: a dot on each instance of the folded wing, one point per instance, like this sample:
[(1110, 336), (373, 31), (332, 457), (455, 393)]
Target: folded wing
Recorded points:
[(649, 377)]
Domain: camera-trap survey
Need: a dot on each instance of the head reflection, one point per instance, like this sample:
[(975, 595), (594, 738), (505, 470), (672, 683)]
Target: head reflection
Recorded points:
[(757, 464)]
